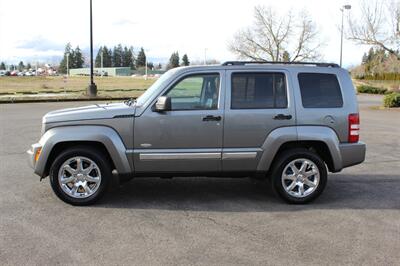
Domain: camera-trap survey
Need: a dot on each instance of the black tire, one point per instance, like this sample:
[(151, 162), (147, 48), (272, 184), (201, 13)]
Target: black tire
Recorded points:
[(88, 152), (283, 160)]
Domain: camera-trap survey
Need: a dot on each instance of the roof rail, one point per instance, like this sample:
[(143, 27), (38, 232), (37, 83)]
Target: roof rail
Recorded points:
[(241, 63)]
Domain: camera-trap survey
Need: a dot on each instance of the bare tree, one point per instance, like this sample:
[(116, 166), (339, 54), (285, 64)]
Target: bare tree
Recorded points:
[(379, 25), (277, 38)]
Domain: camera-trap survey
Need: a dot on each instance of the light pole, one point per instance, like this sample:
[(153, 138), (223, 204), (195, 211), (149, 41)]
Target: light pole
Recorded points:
[(92, 89), (343, 8), (205, 56)]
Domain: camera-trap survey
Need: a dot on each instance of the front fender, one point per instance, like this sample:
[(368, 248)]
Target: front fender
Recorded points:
[(105, 135)]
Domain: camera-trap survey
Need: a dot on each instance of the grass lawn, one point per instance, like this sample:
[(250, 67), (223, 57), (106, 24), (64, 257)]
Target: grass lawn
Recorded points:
[(123, 86)]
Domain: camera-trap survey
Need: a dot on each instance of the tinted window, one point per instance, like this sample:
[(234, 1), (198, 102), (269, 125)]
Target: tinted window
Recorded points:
[(258, 91), (196, 92), (320, 90)]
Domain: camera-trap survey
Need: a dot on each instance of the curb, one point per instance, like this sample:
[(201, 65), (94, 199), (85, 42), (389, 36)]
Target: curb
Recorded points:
[(61, 100)]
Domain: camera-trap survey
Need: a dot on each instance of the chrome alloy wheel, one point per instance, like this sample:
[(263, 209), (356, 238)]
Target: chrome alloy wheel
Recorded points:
[(300, 178), (79, 177)]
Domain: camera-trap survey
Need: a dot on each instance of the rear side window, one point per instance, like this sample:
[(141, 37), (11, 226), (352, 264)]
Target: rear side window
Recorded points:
[(258, 91), (320, 90)]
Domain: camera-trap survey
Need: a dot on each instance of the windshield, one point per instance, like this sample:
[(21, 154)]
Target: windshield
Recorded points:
[(153, 88)]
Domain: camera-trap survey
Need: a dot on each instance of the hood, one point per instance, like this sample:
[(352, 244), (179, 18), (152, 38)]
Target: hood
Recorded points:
[(97, 111)]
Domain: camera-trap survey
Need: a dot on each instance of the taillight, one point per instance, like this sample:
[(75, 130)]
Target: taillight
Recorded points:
[(354, 128)]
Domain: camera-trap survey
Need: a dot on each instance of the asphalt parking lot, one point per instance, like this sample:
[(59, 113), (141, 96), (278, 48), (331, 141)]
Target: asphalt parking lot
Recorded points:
[(202, 221)]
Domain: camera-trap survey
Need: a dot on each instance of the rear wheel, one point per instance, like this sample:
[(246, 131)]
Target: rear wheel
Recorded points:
[(80, 175), (299, 176)]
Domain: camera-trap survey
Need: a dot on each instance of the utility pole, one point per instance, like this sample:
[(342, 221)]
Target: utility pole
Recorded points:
[(343, 8), (92, 89), (205, 56)]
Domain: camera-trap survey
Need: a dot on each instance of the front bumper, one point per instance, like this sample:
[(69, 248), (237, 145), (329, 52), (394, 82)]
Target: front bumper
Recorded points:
[(352, 153), (35, 148)]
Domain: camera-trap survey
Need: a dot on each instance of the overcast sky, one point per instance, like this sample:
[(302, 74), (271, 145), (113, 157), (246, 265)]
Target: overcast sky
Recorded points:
[(40, 29)]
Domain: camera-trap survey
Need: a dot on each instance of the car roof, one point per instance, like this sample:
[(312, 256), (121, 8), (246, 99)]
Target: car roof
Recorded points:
[(243, 65)]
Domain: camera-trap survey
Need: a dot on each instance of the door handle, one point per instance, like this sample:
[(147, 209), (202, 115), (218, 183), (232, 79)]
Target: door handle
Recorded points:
[(212, 118), (282, 117)]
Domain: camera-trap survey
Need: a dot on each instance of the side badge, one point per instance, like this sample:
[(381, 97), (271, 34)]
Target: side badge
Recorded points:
[(145, 145)]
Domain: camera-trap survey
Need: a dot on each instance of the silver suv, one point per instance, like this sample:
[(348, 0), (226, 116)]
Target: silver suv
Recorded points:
[(290, 122)]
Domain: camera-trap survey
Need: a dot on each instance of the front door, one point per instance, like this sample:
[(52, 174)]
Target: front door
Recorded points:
[(189, 137)]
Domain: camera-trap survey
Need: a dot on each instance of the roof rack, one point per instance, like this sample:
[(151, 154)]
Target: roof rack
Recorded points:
[(241, 63)]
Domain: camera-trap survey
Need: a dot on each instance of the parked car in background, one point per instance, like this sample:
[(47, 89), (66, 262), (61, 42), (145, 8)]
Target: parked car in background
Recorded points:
[(290, 123)]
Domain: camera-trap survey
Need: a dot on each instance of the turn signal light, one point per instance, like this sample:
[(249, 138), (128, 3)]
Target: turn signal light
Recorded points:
[(37, 154)]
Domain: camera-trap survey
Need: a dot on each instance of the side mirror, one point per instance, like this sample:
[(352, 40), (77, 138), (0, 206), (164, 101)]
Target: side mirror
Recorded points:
[(163, 104)]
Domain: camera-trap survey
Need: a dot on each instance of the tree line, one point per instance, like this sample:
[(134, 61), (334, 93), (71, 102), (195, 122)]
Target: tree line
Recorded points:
[(21, 66), (118, 56), (378, 64)]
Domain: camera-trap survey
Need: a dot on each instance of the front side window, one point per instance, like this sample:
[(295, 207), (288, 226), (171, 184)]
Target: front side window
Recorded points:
[(196, 92), (320, 90), (258, 90)]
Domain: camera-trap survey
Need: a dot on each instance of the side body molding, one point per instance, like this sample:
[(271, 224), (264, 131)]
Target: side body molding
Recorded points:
[(105, 135), (280, 136)]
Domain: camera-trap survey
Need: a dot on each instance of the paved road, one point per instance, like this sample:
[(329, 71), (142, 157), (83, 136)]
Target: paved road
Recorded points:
[(199, 220)]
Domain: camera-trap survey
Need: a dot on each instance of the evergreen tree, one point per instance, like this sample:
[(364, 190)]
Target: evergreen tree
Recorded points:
[(173, 60), (107, 57), (285, 56), (117, 56), (127, 57), (2, 66), (21, 66), (63, 63), (28, 66), (364, 59), (185, 60), (150, 65), (141, 59), (78, 58), (97, 61)]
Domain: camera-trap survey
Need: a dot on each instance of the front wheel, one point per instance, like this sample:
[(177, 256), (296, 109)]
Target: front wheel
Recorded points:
[(80, 175), (299, 176)]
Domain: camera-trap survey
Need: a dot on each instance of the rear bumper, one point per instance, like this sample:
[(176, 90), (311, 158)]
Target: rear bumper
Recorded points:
[(352, 153)]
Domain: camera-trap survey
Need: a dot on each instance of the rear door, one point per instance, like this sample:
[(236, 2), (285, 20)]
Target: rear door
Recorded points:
[(257, 102)]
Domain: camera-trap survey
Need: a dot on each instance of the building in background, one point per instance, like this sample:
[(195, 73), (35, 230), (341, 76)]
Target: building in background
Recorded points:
[(105, 71)]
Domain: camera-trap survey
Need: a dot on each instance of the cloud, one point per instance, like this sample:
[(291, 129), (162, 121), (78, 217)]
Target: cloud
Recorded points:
[(124, 22), (40, 44)]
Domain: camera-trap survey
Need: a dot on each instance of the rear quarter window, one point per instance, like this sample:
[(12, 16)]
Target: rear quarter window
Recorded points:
[(320, 90)]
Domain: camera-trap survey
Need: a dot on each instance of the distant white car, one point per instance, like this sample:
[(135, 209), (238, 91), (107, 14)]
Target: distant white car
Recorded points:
[(2, 73)]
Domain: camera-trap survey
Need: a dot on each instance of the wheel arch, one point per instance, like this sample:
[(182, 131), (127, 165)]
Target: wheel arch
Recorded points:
[(102, 137), (320, 139)]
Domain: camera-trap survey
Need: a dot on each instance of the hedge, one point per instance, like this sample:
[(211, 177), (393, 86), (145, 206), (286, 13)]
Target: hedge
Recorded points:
[(380, 76), (371, 89), (392, 100)]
